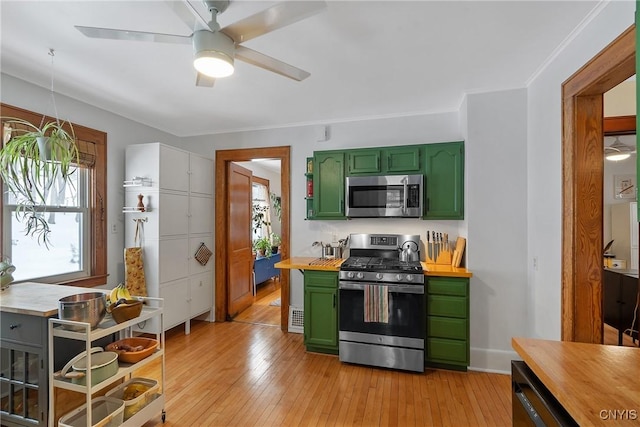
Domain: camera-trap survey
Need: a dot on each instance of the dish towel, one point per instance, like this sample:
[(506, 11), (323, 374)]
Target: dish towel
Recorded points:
[(134, 266), (376, 303)]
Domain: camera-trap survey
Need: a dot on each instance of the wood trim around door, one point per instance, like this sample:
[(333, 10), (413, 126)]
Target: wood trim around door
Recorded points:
[(223, 158), (582, 176)]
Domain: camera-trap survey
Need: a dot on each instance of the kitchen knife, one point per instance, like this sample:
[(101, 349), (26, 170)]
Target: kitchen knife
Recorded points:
[(428, 246)]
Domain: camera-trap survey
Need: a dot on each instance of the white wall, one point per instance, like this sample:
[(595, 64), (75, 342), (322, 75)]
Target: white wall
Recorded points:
[(418, 129), (544, 163), (120, 133), (496, 188)]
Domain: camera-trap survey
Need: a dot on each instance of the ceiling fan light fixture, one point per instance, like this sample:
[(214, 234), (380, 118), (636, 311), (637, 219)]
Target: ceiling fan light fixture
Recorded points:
[(617, 151), (213, 54), (616, 157)]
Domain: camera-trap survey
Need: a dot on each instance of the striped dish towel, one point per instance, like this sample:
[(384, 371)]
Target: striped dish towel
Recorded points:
[(376, 303)]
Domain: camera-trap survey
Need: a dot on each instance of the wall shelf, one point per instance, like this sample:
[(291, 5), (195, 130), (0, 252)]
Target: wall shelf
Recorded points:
[(137, 181)]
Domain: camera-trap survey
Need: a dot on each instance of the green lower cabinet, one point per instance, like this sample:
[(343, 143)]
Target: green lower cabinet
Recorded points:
[(321, 311), (447, 344)]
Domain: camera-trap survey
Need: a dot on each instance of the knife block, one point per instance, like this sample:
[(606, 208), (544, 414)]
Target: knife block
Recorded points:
[(445, 257)]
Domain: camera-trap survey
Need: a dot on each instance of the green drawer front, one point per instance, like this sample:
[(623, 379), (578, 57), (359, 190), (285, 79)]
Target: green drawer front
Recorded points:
[(445, 327), (447, 306), (444, 350), (327, 279), (449, 286)]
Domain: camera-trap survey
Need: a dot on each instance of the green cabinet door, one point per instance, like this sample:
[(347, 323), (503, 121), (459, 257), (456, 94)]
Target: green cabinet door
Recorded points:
[(444, 181), (328, 185), (321, 311), (447, 344), (402, 159), (363, 161)]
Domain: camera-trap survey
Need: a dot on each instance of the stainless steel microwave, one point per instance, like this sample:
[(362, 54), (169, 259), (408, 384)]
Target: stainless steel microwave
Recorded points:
[(396, 196)]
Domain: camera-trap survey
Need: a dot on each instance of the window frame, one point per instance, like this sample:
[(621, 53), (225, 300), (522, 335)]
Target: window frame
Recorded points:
[(96, 239)]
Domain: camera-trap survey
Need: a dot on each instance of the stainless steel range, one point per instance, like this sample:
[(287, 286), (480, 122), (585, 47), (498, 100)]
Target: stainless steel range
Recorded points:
[(382, 302)]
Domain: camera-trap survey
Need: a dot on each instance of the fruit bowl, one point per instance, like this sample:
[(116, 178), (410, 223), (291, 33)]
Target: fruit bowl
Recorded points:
[(133, 350), (126, 310)]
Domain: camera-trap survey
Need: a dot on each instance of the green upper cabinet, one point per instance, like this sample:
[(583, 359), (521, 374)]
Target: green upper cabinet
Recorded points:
[(387, 160), (444, 181), (363, 161), (328, 185), (402, 159)]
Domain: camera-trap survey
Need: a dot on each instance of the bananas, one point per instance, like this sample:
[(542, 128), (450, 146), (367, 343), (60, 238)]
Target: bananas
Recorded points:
[(118, 293)]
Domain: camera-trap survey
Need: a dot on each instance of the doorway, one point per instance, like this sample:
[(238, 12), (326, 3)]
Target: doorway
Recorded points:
[(582, 176), (224, 158)]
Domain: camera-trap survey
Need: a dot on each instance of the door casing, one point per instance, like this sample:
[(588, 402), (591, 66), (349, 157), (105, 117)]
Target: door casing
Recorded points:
[(223, 158), (582, 177)]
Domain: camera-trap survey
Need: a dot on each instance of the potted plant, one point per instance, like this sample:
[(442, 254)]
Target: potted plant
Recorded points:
[(262, 246), (275, 242), (31, 161), (259, 217)]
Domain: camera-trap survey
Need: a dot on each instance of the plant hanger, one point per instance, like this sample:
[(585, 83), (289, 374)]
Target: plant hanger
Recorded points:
[(34, 160)]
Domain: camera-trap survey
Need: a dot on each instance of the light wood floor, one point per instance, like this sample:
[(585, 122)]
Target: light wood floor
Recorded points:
[(241, 374), (611, 337), (261, 312)]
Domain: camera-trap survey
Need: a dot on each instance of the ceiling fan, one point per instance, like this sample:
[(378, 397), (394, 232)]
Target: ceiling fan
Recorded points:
[(618, 151), (215, 48)]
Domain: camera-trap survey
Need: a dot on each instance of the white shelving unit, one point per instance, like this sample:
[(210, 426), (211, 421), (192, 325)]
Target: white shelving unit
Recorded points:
[(152, 308)]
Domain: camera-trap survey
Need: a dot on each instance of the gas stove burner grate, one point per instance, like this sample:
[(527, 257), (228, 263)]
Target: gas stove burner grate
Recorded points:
[(380, 264)]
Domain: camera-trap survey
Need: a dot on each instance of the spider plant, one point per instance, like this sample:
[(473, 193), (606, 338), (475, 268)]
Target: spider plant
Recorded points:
[(30, 162)]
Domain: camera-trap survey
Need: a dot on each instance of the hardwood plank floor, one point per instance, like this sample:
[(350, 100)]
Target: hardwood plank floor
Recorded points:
[(241, 374), (611, 337), (261, 312)]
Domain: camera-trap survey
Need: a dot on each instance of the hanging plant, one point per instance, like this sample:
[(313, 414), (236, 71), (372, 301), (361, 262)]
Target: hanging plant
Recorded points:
[(276, 201), (31, 161)]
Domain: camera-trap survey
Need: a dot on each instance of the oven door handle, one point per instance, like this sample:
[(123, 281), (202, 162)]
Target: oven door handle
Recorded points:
[(393, 287)]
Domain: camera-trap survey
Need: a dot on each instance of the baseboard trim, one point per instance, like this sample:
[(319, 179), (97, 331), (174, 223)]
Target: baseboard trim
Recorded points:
[(492, 361)]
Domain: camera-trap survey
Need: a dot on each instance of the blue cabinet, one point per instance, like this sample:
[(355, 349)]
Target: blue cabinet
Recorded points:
[(264, 270)]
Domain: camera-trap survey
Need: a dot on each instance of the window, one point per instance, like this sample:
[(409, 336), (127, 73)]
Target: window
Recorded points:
[(77, 254)]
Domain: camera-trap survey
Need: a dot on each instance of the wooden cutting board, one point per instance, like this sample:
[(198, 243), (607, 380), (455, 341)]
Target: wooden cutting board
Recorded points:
[(458, 252)]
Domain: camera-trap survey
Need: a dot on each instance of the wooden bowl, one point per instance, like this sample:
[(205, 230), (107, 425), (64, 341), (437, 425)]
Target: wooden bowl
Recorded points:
[(126, 311), (123, 346)]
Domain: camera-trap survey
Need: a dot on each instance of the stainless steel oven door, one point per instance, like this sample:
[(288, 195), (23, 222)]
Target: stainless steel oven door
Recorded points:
[(406, 325)]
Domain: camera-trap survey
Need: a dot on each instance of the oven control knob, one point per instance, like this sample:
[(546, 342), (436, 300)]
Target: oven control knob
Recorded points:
[(360, 275), (379, 276), (350, 275), (409, 278), (399, 277)]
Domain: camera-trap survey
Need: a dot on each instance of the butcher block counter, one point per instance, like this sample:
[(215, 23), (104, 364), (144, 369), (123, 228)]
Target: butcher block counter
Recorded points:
[(591, 381), (36, 299), (319, 264)]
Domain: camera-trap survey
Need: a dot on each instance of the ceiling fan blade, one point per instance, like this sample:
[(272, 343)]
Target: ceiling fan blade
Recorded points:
[(109, 33), (204, 81), (187, 14), (278, 16), (261, 60)]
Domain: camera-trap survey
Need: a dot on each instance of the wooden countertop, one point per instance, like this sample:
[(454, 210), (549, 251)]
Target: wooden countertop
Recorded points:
[(37, 299), (587, 379), (311, 263)]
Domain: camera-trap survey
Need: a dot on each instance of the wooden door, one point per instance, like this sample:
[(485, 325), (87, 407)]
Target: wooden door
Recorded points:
[(240, 258)]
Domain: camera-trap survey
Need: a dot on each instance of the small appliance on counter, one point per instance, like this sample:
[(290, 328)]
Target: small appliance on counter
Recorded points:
[(382, 302)]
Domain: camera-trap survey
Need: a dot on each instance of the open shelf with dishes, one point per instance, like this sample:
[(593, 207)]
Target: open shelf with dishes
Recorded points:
[(101, 376)]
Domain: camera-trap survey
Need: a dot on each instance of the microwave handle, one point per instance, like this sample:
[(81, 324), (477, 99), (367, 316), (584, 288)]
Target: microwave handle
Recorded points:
[(405, 200)]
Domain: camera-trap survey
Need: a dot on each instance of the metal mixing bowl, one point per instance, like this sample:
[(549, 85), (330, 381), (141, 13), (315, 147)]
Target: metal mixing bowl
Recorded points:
[(90, 307)]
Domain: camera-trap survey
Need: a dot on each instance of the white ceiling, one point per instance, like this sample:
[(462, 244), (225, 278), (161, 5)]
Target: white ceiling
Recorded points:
[(366, 58)]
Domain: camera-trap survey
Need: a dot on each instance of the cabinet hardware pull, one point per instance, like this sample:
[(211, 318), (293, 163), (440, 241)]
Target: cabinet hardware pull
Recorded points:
[(12, 327), (334, 300)]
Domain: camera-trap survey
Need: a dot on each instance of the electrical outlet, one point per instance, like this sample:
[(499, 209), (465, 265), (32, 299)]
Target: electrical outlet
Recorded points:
[(114, 228)]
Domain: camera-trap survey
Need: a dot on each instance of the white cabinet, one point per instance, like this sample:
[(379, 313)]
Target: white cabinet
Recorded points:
[(624, 232), (179, 219)]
